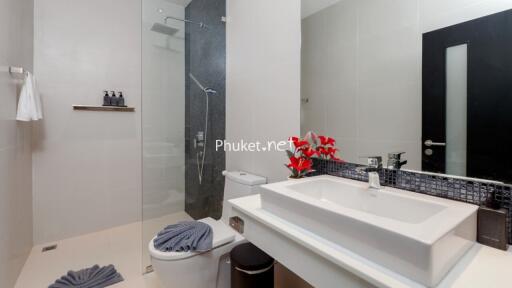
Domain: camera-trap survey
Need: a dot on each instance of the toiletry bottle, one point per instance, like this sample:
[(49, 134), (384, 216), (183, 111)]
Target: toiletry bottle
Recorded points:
[(106, 99), (120, 100), (113, 99)]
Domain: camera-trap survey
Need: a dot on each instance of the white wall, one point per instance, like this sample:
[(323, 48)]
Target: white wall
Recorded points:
[(263, 80), (87, 165), (362, 71), (16, 37), (436, 14)]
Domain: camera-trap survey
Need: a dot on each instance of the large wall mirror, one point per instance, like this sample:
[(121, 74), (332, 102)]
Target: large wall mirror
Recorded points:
[(431, 78)]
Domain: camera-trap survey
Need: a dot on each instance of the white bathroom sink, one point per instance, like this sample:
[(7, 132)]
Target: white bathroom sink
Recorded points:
[(418, 236)]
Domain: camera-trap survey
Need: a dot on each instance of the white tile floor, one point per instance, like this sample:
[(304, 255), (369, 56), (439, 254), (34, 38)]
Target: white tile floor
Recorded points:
[(126, 248), (123, 246)]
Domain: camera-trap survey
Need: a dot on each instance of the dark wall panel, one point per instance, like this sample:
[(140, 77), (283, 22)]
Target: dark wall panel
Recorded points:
[(206, 60)]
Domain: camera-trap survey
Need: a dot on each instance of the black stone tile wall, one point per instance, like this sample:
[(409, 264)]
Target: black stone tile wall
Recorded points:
[(474, 192), (205, 58)]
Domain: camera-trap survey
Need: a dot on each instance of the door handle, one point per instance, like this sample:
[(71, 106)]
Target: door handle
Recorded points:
[(430, 143)]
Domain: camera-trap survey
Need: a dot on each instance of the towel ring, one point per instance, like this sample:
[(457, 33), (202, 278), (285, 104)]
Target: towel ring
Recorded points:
[(17, 70)]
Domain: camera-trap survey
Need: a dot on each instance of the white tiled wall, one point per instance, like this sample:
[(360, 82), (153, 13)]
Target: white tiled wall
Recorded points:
[(87, 165), (16, 37), (362, 71), (263, 80)]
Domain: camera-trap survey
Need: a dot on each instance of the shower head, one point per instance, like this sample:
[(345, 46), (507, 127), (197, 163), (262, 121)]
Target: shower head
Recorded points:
[(164, 29), (210, 91), (207, 90)]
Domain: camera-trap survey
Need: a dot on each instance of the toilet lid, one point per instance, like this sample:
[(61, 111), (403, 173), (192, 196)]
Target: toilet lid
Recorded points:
[(222, 234)]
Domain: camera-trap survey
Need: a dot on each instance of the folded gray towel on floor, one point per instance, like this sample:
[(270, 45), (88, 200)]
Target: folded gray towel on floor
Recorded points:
[(94, 277), (185, 236)]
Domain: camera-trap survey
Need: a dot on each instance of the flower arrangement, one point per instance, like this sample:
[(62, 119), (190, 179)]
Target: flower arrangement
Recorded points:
[(304, 149)]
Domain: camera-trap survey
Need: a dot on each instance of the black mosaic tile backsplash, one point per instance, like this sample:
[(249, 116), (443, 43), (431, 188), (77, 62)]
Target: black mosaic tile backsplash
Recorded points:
[(473, 192)]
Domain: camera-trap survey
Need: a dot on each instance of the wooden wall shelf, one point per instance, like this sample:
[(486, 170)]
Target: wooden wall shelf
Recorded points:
[(103, 108)]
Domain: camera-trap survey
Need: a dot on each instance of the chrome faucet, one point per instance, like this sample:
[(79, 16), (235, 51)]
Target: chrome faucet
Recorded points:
[(395, 162), (373, 168)]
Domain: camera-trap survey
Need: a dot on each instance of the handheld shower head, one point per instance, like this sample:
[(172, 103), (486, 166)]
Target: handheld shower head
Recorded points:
[(200, 156), (210, 91), (207, 90)]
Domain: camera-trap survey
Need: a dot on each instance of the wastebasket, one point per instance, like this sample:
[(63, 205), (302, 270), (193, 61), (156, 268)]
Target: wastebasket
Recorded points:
[(251, 267)]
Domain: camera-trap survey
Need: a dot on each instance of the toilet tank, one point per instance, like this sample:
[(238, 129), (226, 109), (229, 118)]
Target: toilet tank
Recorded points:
[(239, 184)]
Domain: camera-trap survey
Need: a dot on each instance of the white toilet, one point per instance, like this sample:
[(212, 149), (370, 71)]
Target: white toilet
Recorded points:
[(209, 269)]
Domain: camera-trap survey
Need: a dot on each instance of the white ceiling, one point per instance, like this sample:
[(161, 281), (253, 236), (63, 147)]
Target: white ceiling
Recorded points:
[(310, 7), (183, 3)]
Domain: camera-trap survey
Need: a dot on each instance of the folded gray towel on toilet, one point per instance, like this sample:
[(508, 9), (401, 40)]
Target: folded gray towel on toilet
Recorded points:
[(185, 236), (94, 277)]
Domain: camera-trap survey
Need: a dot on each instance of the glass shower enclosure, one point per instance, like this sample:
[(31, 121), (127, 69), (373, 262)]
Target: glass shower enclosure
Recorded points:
[(183, 112)]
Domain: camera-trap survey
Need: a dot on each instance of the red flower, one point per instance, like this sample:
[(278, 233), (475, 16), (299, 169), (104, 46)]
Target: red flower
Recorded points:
[(300, 143), (307, 148), (331, 151), (327, 141), (300, 164), (326, 151), (309, 152)]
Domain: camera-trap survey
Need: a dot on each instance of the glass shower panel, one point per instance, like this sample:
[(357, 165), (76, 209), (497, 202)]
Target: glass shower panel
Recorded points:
[(456, 109), (163, 118), (183, 112)]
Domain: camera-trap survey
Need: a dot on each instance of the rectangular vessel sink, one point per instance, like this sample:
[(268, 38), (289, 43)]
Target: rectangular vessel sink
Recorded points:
[(418, 236)]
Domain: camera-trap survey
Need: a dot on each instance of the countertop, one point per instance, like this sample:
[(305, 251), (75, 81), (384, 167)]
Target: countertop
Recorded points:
[(481, 266)]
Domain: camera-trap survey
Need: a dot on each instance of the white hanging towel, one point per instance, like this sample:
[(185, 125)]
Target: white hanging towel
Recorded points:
[(29, 106)]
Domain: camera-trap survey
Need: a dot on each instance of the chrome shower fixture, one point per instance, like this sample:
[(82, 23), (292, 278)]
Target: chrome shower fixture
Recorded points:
[(164, 29), (171, 31), (210, 91), (206, 90), (200, 24), (202, 136)]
